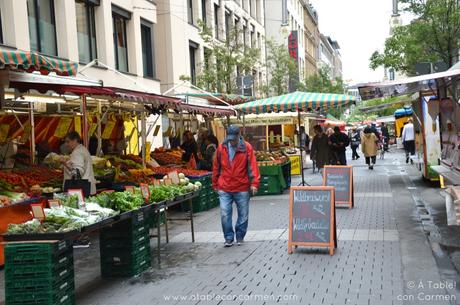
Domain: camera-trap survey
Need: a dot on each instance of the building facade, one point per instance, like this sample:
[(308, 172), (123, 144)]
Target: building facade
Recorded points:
[(118, 33), (330, 58), (183, 51), (312, 38)]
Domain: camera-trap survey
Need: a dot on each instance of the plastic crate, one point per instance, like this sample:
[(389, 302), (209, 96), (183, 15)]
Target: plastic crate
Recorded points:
[(39, 272), (32, 285), (40, 297), (126, 264), (54, 248), (125, 271), (13, 258), (123, 257), (125, 229)]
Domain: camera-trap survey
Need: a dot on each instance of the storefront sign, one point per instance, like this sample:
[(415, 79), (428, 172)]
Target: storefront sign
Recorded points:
[(295, 164), (264, 121), (341, 178), (312, 218), (63, 127)]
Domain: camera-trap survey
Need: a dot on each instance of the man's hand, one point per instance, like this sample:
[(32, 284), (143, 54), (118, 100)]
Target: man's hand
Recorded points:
[(254, 190)]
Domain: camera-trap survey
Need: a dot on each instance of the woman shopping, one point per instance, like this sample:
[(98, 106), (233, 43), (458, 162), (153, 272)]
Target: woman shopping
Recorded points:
[(369, 147), (320, 148)]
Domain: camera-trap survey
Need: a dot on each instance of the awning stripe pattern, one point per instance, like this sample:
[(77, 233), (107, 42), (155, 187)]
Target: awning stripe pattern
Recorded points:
[(32, 61), (303, 101)]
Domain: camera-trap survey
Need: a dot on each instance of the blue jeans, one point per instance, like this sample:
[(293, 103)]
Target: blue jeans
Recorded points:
[(226, 212)]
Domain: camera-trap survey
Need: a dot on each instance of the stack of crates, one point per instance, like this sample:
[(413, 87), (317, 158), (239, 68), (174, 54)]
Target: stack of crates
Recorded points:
[(125, 247), (207, 199), (39, 273)]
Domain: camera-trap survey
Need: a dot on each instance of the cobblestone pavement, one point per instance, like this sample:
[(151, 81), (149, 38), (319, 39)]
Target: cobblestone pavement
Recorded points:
[(383, 256)]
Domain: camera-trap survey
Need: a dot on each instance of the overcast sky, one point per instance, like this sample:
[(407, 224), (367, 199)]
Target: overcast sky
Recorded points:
[(360, 27)]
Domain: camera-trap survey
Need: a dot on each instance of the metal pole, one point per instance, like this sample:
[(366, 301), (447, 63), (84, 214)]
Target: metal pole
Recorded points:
[(143, 138), (99, 129), (32, 133), (85, 121), (244, 125)]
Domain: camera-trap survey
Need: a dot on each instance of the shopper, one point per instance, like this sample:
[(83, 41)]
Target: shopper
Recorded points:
[(80, 163), (208, 156), (320, 148), (203, 133), (355, 140), (408, 139), (235, 176), (339, 142), (369, 147), (385, 135), (189, 147)]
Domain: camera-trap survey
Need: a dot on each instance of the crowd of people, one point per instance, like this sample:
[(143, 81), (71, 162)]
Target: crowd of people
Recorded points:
[(328, 146)]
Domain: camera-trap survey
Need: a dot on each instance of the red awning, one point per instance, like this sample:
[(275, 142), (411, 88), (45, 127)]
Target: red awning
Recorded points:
[(61, 89), (145, 98), (208, 110)]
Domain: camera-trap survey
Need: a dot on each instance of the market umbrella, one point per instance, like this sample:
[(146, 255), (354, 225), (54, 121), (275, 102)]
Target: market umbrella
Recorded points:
[(297, 101)]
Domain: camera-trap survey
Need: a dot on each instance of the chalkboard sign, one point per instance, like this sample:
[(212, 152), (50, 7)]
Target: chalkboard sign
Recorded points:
[(312, 217), (341, 178)]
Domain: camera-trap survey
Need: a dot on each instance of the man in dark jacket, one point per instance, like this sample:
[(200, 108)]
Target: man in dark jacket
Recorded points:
[(386, 136), (235, 176), (339, 142)]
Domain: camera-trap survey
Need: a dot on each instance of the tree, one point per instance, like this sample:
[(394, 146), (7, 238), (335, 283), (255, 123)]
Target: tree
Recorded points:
[(281, 67), (223, 59), (434, 35), (322, 83)]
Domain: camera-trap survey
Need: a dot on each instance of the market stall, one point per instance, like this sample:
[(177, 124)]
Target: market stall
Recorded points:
[(296, 102)]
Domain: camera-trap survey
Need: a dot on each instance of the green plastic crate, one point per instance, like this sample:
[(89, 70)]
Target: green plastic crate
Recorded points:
[(55, 248), (125, 264), (41, 297), (32, 285), (45, 272), (117, 242), (125, 229)]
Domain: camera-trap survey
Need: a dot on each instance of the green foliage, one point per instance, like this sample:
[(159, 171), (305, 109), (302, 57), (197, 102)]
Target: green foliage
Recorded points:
[(281, 67), (218, 73), (434, 35)]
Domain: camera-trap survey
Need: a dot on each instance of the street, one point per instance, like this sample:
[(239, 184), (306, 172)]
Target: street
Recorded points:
[(384, 255)]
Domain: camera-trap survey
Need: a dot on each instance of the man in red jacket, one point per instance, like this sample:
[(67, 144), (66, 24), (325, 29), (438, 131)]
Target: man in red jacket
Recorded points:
[(235, 176)]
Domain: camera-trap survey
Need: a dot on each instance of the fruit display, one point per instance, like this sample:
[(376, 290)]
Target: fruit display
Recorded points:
[(30, 179), (276, 157), (167, 156)]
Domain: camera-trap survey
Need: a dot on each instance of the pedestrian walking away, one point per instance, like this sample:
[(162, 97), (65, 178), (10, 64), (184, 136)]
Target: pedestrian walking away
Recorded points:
[(408, 138), (235, 177), (339, 142), (369, 147), (320, 148), (355, 140), (385, 135)]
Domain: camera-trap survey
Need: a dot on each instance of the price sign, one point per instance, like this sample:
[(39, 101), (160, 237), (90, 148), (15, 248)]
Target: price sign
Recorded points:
[(129, 188), (108, 129), (156, 182), (168, 181), (38, 212), (54, 203), (77, 124), (174, 176), (145, 190), (63, 127)]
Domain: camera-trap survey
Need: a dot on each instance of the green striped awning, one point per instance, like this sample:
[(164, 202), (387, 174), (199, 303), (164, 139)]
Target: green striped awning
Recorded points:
[(292, 102), (32, 61)]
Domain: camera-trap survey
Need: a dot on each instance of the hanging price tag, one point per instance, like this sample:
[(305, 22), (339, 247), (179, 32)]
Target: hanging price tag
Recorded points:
[(92, 129), (108, 129), (4, 129), (63, 127), (77, 124), (148, 147), (26, 133)]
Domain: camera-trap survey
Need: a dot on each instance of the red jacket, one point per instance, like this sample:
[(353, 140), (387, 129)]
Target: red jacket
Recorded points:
[(236, 176)]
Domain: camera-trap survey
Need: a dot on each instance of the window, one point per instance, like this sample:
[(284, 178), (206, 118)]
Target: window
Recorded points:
[(259, 41), (148, 49), (193, 47), (228, 23), (119, 19), (203, 10), (86, 30), (42, 27), (245, 29), (253, 37), (190, 11), (216, 20)]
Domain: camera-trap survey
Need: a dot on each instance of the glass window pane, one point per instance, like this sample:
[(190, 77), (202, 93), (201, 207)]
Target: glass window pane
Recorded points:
[(47, 29), (147, 52), (32, 25), (82, 32), (121, 50), (92, 22), (1, 28)]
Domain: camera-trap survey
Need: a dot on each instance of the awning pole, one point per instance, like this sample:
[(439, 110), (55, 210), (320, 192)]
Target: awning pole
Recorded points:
[(144, 138), (85, 121), (244, 125), (32, 133), (99, 129), (301, 149)]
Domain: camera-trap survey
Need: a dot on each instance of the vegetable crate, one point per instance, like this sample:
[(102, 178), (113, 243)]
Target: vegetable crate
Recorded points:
[(125, 247), (152, 219), (39, 273)]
